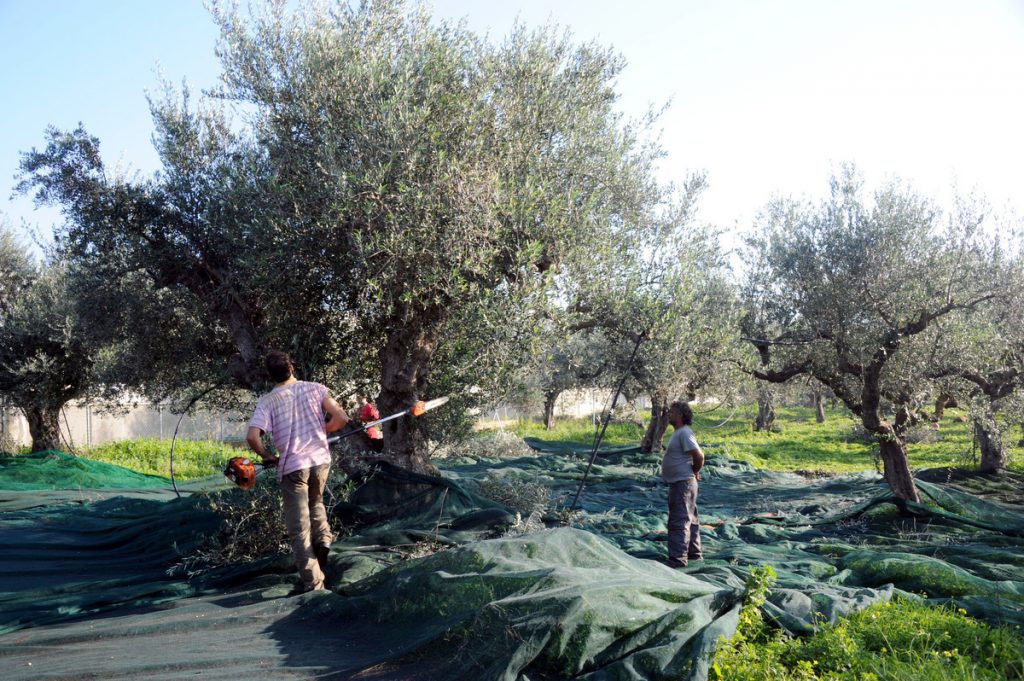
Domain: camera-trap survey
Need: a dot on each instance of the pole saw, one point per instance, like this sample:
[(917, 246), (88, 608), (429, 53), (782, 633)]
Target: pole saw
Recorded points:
[(242, 471)]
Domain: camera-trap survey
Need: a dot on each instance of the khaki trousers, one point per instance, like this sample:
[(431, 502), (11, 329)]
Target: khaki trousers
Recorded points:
[(306, 520)]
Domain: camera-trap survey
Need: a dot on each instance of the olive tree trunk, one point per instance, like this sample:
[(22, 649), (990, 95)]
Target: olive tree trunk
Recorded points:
[(44, 426), (941, 402), (896, 466), (818, 399), (994, 456), (658, 425), (403, 360), (550, 398), (892, 442), (765, 420)]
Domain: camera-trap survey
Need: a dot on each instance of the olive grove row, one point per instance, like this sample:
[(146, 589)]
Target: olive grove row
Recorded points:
[(413, 209)]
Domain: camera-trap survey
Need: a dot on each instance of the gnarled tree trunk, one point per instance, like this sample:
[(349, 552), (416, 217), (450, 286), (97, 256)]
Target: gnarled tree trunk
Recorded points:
[(765, 420), (659, 423), (44, 426), (994, 456), (403, 361), (896, 467), (941, 402), (550, 397), (818, 400)]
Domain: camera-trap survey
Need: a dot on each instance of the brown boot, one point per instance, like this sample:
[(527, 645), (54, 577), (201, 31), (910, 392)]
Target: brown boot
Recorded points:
[(322, 552)]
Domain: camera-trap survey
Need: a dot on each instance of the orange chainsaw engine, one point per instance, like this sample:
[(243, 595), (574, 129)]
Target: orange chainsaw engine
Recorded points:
[(241, 471)]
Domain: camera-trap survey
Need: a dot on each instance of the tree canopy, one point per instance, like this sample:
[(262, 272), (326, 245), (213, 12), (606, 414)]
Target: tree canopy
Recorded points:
[(45, 361), (862, 283), (393, 190)]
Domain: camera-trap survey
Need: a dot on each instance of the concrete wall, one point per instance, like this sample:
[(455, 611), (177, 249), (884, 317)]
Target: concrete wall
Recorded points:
[(572, 403), (85, 426)]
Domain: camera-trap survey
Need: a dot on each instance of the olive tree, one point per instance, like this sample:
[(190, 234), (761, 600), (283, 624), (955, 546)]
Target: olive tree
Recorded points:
[(390, 190), (864, 281), (980, 356), (571, 362), (768, 318), (665, 305), (44, 361), (686, 353)]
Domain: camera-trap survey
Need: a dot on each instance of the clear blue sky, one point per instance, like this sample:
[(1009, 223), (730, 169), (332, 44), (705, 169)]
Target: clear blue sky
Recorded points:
[(767, 96)]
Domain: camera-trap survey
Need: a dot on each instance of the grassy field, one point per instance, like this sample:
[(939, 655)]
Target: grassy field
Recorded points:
[(192, 458), (836, 446)]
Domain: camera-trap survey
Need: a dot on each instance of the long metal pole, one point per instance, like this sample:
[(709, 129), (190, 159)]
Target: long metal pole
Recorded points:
[(607, 418)]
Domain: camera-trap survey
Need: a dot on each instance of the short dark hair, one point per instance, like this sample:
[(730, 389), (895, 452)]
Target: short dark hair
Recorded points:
[(683, 409), (279, 365)]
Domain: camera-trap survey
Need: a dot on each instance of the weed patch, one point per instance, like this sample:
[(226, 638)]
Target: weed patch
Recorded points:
[(252, 523), (901, 639), (193, 459)]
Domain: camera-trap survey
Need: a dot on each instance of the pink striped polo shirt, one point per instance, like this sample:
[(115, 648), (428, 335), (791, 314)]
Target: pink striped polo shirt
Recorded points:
[(294, 416)]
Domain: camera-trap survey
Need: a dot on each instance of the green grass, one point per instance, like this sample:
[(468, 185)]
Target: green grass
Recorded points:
[(902, 639), (192, 458), (836, 446), (578, 430), (896, 640), (802, 444)]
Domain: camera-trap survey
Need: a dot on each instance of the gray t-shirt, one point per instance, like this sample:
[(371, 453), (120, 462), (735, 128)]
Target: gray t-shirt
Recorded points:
[(678, 462)]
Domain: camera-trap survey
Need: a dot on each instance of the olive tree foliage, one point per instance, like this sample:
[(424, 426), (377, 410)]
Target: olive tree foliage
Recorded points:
[(685, 354), (385, 196), (17, 270), (862, 283), (44, 363), (595, 312), (980, 356), (572, 361), (453, 172), (665, 293), (170, 265)]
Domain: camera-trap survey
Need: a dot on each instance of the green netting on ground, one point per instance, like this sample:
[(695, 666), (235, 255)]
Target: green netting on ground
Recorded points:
[(92, 587), (578, 448), (56, 470)]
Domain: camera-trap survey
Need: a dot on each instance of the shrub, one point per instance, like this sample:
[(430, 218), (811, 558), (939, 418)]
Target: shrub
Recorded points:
[(519, 494), (902, 639), (487, 444), (252, 523)]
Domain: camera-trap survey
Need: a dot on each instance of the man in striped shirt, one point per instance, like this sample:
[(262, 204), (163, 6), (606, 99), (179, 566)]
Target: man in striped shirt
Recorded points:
[(293, 413)]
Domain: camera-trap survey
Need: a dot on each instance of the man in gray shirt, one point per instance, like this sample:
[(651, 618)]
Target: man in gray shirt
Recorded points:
[(681, 470)]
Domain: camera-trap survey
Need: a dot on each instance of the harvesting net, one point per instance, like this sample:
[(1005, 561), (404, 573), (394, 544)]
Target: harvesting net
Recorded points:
[(57, 470), (92, 581)]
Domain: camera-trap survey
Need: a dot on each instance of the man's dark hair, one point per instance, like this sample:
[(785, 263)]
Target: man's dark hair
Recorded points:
[(683, 409), (279, 365)]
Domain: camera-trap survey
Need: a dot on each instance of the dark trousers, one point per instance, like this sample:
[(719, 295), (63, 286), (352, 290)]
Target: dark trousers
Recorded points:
[(683, 526)]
